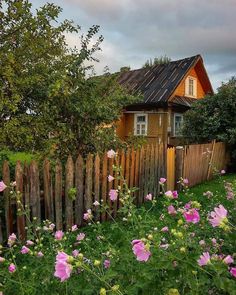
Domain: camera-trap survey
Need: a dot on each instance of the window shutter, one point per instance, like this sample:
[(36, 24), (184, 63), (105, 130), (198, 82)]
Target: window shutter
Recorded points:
[(195, 87)]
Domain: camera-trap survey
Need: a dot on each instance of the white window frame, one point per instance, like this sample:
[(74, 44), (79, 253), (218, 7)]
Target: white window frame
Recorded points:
[(194, 86), (136, 121), (177, 115)]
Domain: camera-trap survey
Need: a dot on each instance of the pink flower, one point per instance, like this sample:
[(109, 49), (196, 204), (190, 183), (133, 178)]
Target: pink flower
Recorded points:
[(107, 263), (88, 215), (187, 205), (80, 237), (162, 180), (228, 259), (62, 268), (204, 259), (111, 154), (110, 178), (214, 241), (218, 216), (169, 194), (192, 216), (74, 227), (222, 172), (51, 226), (75, 253), (165, 229), (148, 197), (24, 250), (171, 210), (11, 239), (175, 194), (96, 203), (202, 243), (113, 195), (29, 243), (59, 235), (140, 250), (2, 186), (2, 259), (12, 268), (40, 254), (233, 271), (185, 181), (164, 246)]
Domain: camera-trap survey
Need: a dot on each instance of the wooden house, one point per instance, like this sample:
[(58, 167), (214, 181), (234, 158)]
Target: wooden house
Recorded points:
[(168, 90)]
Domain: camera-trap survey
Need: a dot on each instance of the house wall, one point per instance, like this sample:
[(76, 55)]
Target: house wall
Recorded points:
[(180, 90), (157, 126)]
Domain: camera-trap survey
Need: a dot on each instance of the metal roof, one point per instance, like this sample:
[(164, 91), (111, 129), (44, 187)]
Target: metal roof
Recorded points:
[(157, 83)]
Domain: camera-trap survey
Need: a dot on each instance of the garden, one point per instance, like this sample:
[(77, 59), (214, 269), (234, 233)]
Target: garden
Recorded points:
[(176, 243)]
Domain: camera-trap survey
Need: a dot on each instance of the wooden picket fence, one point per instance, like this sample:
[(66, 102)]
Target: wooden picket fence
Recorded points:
[(196, 162), (46, 191)]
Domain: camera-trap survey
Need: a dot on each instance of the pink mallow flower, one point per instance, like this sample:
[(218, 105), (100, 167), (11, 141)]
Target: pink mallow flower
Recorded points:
[(75, 253), (24, 250), (140, 250), (11, 239), (171, 210), (148, 197), (222, 172), (74, 227), (175, 194), (88, 215), (12, 268), (113, 195), (228, 259), (218, 216), (110, 178), (40, 254), (233, 271), (162, 180), (59, 235), (29, 243), (62, 268), (204, 259), (80, 237), (107, 263), (111, 154), (165, 229), (192, 216), (185, 181), (2, 186)]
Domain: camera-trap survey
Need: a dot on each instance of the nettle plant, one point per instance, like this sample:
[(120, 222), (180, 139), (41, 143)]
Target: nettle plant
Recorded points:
[(174, 244)]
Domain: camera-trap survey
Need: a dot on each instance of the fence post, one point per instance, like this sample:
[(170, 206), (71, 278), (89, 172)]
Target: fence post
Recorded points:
[(179, 165)]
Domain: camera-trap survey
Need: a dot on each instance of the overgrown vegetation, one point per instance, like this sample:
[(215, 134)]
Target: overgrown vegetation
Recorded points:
[(48, 100), (157, 61)]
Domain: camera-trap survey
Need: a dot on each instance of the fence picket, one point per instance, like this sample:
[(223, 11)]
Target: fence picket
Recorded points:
[(79, 184), (58, 195), (7, 198), (69, 213)]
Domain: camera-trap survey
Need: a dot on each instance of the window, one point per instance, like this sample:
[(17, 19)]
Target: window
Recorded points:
[(191, 87), (178, 122), (140, 124)]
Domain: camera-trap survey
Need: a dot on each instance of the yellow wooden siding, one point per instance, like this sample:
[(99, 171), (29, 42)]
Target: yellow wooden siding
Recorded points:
[(170, 168), (180, 90)]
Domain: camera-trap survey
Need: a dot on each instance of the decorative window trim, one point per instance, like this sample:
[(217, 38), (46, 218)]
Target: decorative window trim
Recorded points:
[(136, 121), (177, 115), (194, 86)]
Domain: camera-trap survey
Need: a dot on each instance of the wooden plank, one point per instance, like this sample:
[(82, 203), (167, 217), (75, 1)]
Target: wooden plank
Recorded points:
[(58, 195), (116, 183), (26, 189), (88, 201), (132, 167), (122, 173), (47, 184), (110, 184), (152, 170), (35, 191), (147, 172), (136, 175), (104, 184), (20, 201), (69, 214), (79, 184), (97, 173), (7, 199), (141, 176), (127, 166)]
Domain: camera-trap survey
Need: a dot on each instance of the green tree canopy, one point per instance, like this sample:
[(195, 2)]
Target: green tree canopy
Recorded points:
[(214, 117), (157, 61), (48, 102)]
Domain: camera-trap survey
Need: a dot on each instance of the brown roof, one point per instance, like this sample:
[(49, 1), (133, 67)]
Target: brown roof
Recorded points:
[(157, 83), (183, 101)]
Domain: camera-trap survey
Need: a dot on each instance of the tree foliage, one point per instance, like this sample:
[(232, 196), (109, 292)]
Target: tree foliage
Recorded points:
[(157, 61), (214, 117), (48, 101)]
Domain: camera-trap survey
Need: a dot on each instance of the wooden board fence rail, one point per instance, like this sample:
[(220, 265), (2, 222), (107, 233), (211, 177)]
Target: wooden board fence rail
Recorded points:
[(47, 192)]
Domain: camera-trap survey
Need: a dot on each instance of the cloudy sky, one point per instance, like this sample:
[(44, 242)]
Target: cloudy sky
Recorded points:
[(135, 30)]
